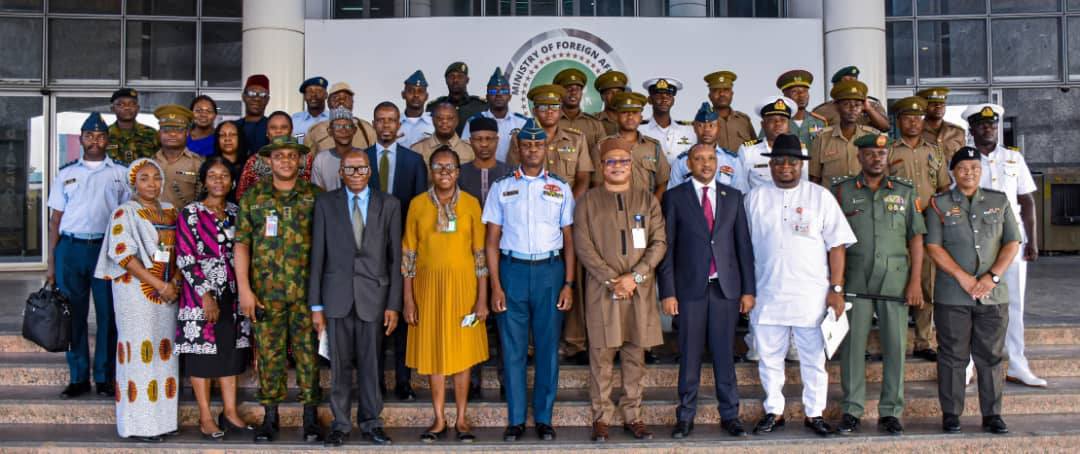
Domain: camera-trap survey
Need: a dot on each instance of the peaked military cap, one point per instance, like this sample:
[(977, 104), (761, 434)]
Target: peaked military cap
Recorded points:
[(911, 105), (720, 79), (706, 113), (964, 154), (416, 79), (845, 71), (570, 76), (980, 113), (94, 123), (530, 131), (848, 89), (458, 66), (124, 93), (794, 78), (550, 94), (173, 115), (778, 105), (872, 141), (662, 85), (611, 79), (317, 80), (629, 101), (497, 79), (934, 94)]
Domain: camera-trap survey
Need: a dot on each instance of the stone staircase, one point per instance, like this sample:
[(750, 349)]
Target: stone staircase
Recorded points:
[(34, 419)]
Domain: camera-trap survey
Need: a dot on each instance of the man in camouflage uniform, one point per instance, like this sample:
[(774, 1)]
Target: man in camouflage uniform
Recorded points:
[(873, 113), (128, 139), (833, 152), (947, 136), (573, 81), (273, 241), (887, 259), (567, 148), (917, 160)]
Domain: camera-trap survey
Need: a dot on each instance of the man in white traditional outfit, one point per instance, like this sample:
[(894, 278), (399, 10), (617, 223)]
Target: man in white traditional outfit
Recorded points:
[(799, 236)]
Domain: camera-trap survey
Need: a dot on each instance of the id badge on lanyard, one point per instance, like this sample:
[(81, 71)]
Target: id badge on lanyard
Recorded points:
[(271, 226)]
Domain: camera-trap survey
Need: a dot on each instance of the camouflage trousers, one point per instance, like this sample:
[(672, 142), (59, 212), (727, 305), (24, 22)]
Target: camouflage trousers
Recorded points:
[(286, 326)]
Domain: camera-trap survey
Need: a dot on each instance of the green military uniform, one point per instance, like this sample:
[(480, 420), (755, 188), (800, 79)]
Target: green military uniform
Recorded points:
[(973, 231), (127, 145), (467, 106), (883, 221), (279, 278)]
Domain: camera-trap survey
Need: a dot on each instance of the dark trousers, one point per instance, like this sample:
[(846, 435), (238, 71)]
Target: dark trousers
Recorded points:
[(532, 290), (355, 342), (709, 322), (976, 332), (75, 263), (399, 339)]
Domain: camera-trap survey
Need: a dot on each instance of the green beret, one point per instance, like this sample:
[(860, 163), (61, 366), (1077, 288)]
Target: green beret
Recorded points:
[(845, 71), (458, 66), (872, 141)]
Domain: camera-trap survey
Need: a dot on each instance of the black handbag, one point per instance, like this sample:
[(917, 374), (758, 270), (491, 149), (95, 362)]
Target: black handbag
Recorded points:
[(47, 319)]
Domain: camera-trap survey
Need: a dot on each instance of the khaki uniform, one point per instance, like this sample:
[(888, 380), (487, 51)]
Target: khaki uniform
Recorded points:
[(181, 178), (949, 138), (603, 241), (926, 167), (735, 129), (832, 155), (651, 169), (318, 137), (879, 263), (428, 145), (594, 131), (611, 125), (831, 113), (567, 154)]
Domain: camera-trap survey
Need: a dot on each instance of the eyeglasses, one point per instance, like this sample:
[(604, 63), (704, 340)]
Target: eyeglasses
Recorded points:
[(355, 170), (617, 162), (256, 94), (548, 107), (344, 126), (443, 168), (498, 91), (785, 161)]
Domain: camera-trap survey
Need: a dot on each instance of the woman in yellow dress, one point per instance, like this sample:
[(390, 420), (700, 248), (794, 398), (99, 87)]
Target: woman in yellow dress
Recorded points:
[(445, 290)]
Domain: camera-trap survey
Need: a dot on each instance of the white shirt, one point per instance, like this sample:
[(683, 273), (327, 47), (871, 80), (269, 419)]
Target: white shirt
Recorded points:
[(1005, 170), (711, 189), (507, 125), (674, 139), (792, 231), (415, 129), (303, 121), (754, 168)]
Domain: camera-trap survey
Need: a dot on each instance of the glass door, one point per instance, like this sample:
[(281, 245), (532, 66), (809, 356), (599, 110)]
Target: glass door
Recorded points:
[(23, 170)]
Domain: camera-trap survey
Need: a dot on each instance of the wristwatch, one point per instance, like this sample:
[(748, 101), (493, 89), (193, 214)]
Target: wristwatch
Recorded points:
[(994, 277), (838, 289), (638, 278), (569, 284)]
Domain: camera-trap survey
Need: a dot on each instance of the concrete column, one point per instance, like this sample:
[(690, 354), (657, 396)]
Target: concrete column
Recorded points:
[(855, 35), (688, 8), (273, 44)]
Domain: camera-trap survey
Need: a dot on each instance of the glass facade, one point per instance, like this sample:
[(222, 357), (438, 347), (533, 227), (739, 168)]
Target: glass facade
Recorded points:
[(351, 9), (63, 58)]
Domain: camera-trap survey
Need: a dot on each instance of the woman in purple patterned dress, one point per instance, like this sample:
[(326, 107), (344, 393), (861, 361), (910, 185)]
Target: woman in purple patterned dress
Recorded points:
[(213, 338)]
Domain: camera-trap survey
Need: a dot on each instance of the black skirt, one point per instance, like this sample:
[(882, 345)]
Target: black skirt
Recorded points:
[(229, 360)]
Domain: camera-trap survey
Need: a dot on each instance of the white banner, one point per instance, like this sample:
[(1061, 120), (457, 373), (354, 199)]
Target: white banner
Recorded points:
[(375, 56)]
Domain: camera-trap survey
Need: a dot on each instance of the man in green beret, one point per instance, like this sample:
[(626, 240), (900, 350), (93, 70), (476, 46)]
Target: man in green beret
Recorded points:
[(887, 260), (873, 113), (833, 152), (179, 166), (128, 139), (457, 84), (924, 164), (947, 136), (273, 245), (608, 85), (567, 148), (735, 126), (972, 237), (795, 84), (574, 82)]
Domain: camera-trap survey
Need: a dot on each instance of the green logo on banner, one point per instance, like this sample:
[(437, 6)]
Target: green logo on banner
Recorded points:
[(538, 61)]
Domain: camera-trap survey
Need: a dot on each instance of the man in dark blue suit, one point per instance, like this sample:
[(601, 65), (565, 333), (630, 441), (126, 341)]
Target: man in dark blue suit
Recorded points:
[(401, 172), (706, 280)]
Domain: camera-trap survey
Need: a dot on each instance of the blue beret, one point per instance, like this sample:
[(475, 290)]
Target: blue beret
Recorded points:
[(531, 131), (497, 79), (706, 113), (417, 79), (320, 81), (94, 123)]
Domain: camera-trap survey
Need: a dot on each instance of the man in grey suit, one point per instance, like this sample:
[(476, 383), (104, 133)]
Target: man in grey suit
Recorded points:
[(355, 293)]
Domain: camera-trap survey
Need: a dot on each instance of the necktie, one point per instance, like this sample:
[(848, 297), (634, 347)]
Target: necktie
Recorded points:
[(357, 223), (384, 171), (707, 206)]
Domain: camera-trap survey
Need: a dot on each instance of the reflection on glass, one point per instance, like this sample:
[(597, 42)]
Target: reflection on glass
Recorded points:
[(85, 6), (221, 52), (1074, 48), (1024, 6), (223, 8), (952, 51), (21, 51), (22, 171), (163, 7), (900, 63), (948, 7), (87, 50), (897, 7), (21, 6), (161, 51), (1026, 49)]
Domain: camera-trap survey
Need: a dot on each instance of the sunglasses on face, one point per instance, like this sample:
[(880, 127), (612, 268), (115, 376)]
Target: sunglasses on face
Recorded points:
[(355, 170), (548, 107), (498, 91)]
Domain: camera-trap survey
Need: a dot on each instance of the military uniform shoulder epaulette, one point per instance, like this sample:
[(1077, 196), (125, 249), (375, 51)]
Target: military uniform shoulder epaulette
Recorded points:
[(682, 155), (645, 122), (649, 139), (731, 153), (872, 129), (685, 122), (820, 117), (820, 106), (474, 116), (519, 115), (555, 177), (902, 180), (508, 175), (992, 191), (824, 130), (1014, 148), (837, 180), (752, 142), (571, 130), (68, 164)]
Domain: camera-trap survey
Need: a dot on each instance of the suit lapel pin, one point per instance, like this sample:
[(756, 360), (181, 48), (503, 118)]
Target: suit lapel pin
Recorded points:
[(723, 193)]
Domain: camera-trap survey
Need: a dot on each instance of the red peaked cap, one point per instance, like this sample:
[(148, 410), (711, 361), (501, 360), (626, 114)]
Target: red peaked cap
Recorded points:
[(258, 79)]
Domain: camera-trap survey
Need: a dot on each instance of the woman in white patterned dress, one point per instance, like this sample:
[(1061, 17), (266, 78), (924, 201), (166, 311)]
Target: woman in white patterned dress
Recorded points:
[(138, 258)]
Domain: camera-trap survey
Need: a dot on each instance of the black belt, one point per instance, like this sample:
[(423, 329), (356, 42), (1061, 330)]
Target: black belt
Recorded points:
[(81, 240), (552, 258)]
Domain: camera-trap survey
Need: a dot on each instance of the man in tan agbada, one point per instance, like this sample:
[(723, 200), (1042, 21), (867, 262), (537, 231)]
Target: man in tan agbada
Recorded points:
[(619, 238)]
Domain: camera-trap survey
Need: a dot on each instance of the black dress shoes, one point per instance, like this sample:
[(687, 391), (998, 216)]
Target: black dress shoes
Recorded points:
[(336, 439), (378, 436), (651, 358), (75, 390), (768, 424), (404, 392), (512, 433), (890, 425), (734, 427), (312, 432), (818, 426), (578, 359), (682, 429), (268, 430), (950, 423), (995, 425), (849, 424), (926, 353), (107, 389), (545, 432)]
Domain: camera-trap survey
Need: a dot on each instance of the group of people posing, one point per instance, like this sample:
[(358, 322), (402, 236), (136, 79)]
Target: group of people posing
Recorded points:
[(209, 244)]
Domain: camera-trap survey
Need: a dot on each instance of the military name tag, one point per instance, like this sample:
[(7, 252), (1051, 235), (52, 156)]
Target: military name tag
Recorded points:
[(271, 226), (69, 181), (161, 256)]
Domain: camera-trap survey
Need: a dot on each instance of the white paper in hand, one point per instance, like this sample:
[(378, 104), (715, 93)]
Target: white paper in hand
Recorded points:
[(834, 330), (324, 345)]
